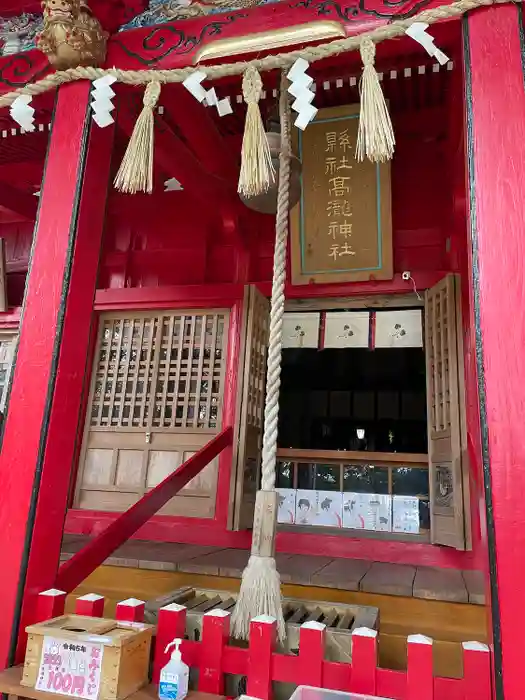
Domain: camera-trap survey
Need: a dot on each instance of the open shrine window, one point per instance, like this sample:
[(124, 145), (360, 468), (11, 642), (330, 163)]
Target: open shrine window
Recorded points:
[(370, 432)]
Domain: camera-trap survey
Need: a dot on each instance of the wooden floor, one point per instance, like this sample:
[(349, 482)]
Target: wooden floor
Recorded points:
[(448, 585)]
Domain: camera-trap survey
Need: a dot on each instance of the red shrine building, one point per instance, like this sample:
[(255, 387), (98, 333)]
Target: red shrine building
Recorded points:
[(134, 327)]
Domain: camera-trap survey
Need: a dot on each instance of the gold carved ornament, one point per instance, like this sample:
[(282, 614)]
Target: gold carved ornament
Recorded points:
[(71, 36)]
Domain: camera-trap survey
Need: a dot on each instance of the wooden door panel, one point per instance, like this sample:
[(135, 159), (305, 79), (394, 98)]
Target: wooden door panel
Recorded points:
[(156, 399), (443, 349), (250, 416)]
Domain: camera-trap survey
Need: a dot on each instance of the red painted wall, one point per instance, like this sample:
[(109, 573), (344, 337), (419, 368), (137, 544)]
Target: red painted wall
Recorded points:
[(162, 239)]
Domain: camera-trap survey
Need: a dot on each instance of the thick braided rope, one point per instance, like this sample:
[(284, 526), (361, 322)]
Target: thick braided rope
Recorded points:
[(273, 376), (277, 61)]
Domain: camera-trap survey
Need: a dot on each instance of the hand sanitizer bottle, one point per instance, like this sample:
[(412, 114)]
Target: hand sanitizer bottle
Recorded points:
[(174, 677)]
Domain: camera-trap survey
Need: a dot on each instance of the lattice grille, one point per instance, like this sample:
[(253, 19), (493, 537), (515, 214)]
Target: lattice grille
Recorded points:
[(7, 348), (190, 371), (124, 371), (163, 371), (439, 316), (257, 372)]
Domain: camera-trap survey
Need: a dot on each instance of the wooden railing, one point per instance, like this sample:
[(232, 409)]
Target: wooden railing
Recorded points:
[(84, 562), (341, 459)]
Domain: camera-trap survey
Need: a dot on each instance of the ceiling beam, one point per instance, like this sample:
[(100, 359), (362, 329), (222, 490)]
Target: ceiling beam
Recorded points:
[(175, 159), (18, 201), (214, 195), (200, 131)]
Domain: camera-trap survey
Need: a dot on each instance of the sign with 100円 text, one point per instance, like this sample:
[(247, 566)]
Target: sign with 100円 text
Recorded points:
[(342, 225), (70, 668)]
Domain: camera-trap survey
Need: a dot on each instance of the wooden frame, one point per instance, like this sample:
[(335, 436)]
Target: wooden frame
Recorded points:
[(446, 448), (8, 340), (378, 265), (130, 438), (341, 459), (3, 278), (379, 301), (249, 409)]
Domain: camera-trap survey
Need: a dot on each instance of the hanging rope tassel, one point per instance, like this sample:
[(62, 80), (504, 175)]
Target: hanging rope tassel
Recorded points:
[(260, 592), (136, 170), (257, 172), (375, 137)]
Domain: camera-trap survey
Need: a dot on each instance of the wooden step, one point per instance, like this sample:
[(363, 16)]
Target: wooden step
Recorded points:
[(448, 585)]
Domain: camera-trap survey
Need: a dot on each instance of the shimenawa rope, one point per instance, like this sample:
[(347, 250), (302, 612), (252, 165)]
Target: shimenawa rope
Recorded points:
[(277, 61)]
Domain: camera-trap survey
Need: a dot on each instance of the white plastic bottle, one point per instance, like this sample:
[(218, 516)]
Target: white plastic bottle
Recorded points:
[(174, 677)]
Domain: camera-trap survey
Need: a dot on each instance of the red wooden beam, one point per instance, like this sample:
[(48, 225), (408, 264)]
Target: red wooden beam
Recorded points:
[(211, 191), (82, 564), (18, 201), (198, 128), (184, 296), (496, 161), (397, 285), (25, 475), (175, 159), (63, 421)]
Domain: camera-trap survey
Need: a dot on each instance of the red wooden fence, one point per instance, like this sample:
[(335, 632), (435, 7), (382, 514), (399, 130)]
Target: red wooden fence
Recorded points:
[(261, 664)]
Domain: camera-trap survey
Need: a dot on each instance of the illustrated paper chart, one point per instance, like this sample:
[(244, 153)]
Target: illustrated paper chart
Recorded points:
[(405, 516), (286, 506), (367, 511), (70, 668), (318, 508)]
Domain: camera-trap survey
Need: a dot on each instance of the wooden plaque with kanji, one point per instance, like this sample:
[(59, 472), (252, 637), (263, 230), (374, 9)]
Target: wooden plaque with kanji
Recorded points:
[(342, 226)]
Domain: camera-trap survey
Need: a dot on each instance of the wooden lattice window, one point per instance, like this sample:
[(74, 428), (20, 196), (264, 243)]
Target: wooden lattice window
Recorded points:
[(159, 371), (156, 398), (257, 350), (8, 341), (441, 322)]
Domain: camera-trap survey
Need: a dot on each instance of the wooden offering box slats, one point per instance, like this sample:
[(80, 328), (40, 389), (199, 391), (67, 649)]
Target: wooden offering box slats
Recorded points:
[(125, 655)]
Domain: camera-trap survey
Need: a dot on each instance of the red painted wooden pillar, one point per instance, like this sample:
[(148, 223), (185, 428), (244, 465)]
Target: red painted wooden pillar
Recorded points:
[(495, 101), (37, 453)]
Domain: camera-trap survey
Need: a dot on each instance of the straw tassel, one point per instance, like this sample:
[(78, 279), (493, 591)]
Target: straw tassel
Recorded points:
[(136, 170), (257, 171), (375, 137)]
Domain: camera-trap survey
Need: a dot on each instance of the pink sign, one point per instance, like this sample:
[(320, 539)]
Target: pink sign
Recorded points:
[(70, 668)]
